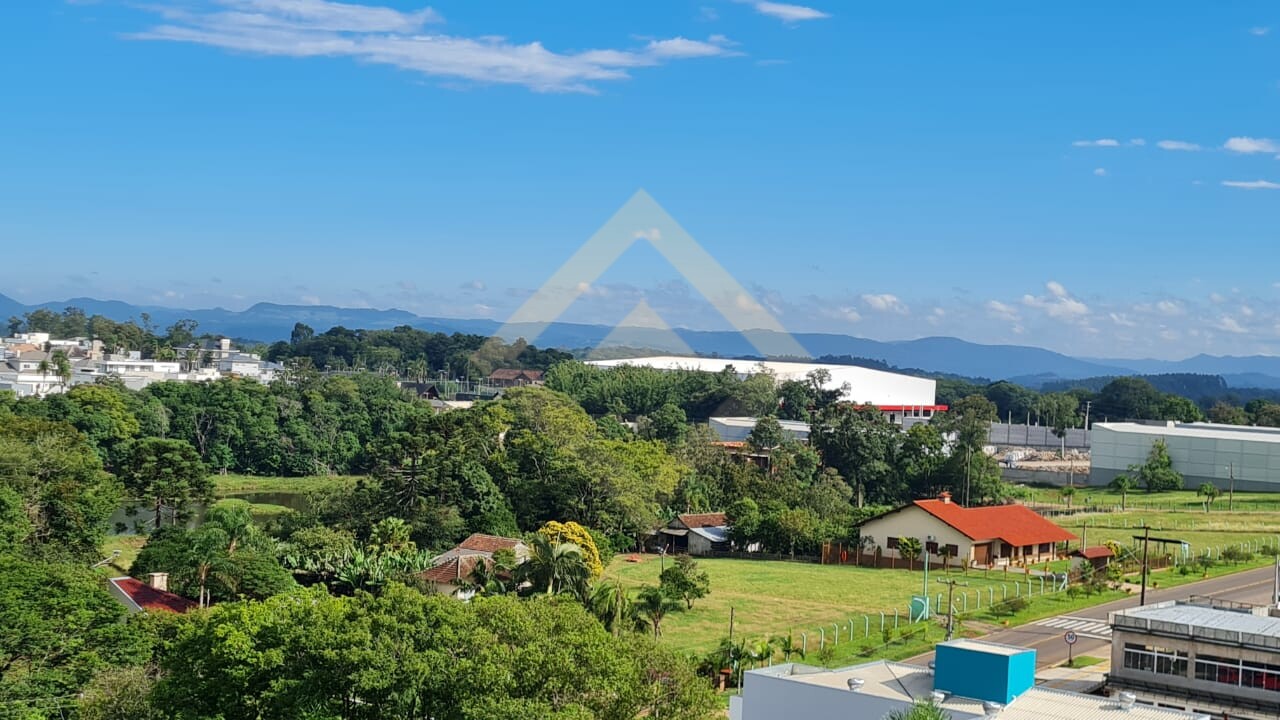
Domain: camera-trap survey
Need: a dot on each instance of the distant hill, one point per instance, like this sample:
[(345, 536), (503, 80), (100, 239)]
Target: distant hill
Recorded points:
[(1032, 366)]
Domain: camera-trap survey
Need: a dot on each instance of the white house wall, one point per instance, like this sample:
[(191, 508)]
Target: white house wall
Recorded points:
[(916, 523)]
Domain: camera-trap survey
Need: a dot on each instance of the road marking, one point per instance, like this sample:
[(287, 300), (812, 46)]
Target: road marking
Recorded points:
[(1084, 627)]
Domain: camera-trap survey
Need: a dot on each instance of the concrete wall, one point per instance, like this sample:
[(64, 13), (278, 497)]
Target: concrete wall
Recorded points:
[(1255, 463), (1034, 436), (1046, 477)]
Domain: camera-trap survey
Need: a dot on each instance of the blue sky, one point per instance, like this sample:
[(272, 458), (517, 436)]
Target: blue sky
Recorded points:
[(1099, 178)]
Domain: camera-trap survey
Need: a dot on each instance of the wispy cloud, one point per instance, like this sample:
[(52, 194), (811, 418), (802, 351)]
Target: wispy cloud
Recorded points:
[(1178, 145), (384, 35), (1058, 304), (1001, 311), (1100, 172), (1103, 142), (1229, 324), (886, 303), (787, 12), (1252, 184), (1249, 145), (1259, 31)]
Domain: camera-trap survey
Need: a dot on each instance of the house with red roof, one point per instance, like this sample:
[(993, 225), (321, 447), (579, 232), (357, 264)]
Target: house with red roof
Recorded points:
[(990, 536), (149, 597), (695, 533), (450, 571)]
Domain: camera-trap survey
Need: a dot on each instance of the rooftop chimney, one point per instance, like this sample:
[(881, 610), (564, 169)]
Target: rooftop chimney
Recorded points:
[(945, 497), (159, 581)]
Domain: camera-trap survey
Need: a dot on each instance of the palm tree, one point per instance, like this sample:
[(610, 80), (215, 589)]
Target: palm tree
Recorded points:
[(1124, 485), (761, 651), (555, 567), (787, 646), (612, 605), (1067, 493), (924, 710), (653, 605), (1209, 492)]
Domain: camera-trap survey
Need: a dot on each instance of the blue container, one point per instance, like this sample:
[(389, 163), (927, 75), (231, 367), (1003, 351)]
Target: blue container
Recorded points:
[(984, 671)]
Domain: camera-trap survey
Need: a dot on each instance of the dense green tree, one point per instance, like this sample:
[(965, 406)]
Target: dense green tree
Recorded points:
[(1129, 397), (405, 655), (861, 444), (1157, 473), (51, 477), (168, 475), (554, 567), (58, 625), (685, 581), (767, 434), (1227, 414), (1124, 485)]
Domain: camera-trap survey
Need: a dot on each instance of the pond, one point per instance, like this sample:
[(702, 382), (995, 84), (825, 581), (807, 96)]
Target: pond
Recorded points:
[(130, 514)]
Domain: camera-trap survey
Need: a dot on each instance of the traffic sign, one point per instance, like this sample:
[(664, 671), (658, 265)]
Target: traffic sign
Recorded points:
[(1070, 637)]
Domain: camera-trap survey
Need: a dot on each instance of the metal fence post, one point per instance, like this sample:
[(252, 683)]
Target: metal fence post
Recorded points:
[(804, 643), (895, 618), (866, 619), (835, 636), (822, 638)]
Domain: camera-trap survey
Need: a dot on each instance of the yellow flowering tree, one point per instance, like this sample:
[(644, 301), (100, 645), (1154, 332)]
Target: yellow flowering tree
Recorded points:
[(572, 532)]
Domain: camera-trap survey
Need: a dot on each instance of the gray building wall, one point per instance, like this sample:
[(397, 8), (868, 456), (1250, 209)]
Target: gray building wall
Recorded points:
[(1255, 463), (1035, 436)]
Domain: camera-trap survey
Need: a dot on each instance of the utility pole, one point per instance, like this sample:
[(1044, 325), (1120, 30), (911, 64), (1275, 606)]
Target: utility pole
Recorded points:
[(730, 622), (951, 606), (1146, 540), (967, 463), (926, 576)]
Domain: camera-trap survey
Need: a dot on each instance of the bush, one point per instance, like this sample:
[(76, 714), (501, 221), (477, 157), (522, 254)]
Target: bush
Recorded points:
[(1012, 606)]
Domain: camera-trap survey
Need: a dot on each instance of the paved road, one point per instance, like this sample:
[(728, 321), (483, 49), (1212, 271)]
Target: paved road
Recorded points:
[(1089, 624)]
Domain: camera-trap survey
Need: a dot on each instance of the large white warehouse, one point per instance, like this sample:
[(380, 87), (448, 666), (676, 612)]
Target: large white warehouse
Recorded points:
[(891, 392), (1202, 452)]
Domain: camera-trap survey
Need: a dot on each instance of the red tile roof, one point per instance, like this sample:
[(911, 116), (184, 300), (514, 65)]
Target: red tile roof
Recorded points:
[(451, 571), (1096, 553), (1014, 524), (479, 542), (701, 520), (149, 599)]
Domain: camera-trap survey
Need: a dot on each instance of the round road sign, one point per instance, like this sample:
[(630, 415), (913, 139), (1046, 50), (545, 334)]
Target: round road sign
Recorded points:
[(1070, 637)]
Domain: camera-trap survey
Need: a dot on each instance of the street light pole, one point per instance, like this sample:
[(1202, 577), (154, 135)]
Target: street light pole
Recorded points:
[(1146, 540), (1231, 491), (951, 606)]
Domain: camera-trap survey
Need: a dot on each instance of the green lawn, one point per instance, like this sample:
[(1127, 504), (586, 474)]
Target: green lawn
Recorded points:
[(1200, 530), (233, 484), (1184, 500), (770, 598), (1084, 661), (128, 545)]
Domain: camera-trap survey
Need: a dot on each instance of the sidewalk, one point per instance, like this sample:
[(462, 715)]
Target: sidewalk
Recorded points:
[(1081, 680)]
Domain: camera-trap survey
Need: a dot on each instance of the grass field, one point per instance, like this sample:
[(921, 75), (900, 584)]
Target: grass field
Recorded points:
[(1179, 500), (233, 484), (769, 598), (129, 547)]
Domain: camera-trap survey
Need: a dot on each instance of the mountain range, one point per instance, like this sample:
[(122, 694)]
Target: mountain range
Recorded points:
[(1032, 366)]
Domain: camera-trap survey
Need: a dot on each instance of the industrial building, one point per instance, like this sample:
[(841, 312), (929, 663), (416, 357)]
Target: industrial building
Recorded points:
[(970, 679), (1248, 457), (899, 396), (1218, 658)]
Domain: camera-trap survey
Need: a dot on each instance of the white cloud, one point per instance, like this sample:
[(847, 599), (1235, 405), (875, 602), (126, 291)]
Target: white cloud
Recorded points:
[(1216, 298), (473, 285), (1229, 324), (1177, 145), (886, 303), (1104, 142), (1139, 142), (1252, 184), (310, 300), (1246, 311), (788, 13), (1122, 320), (383, 35), (1058, 304), (1249, 145), (1169, 307), (1259, 31), (843, 313), (999, 310), (1100, 172)]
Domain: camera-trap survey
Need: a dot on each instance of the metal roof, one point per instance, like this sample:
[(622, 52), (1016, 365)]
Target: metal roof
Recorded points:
[(1209, 431), (908, 683), (714, 534), (1203, 616)]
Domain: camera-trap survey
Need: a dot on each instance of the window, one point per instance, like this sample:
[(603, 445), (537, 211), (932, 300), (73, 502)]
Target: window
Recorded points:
[(1161, 661), (1045, 548), (1242, 673), (953, 550), (891, 543), (932, 547)]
